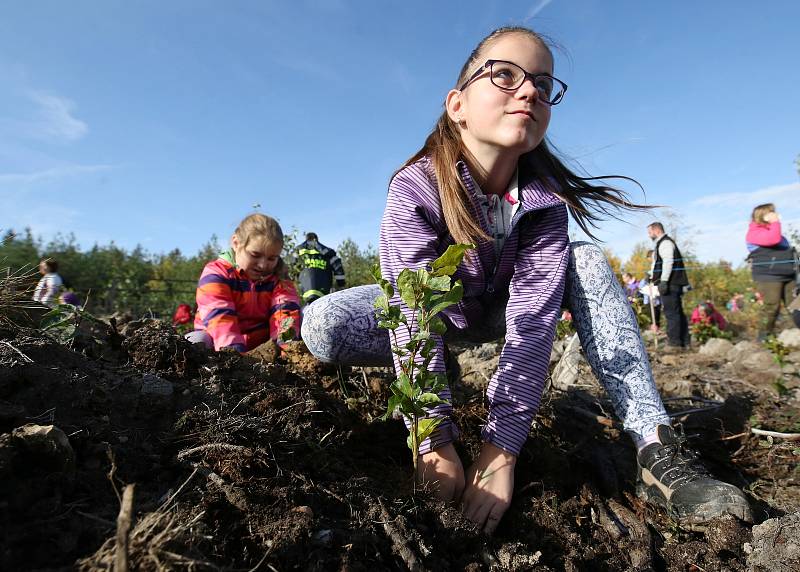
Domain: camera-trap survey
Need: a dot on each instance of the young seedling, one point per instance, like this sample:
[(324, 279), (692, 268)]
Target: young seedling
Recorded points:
[(425, 293)]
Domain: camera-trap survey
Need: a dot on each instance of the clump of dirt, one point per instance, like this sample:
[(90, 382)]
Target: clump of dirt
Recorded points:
[(155, 347), (275, 461)]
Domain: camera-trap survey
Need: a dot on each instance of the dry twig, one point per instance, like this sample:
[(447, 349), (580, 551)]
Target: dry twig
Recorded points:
[(123, 530), (776, 434), (212, 447), (399, 542)]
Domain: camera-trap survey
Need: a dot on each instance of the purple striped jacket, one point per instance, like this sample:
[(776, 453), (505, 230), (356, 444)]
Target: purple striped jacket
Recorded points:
[(530, 270)]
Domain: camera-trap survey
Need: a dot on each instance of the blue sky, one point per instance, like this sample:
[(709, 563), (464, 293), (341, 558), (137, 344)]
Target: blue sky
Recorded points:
[(162, 123)]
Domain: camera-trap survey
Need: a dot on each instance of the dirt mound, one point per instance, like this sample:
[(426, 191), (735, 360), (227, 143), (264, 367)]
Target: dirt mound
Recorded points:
[(275, 461), (155, 347)]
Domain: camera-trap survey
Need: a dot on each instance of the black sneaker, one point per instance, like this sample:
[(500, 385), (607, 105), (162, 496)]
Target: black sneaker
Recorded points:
[(670, 475)]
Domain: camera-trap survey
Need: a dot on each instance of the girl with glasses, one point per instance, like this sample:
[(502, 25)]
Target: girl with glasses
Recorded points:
[(486, 175)]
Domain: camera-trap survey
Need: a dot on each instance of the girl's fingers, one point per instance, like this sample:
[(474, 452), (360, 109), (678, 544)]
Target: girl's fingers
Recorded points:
[(495, 514)]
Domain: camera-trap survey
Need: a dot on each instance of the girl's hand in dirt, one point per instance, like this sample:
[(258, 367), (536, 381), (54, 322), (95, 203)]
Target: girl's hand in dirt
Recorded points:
[(490, 485), (443, 470)]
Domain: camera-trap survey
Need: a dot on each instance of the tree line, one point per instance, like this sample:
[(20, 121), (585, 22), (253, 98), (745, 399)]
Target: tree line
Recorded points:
[(112, 279)]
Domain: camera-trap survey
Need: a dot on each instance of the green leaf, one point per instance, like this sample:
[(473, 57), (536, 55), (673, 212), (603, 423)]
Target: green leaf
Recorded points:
[(437, 326), (394, 402), (426, 427), (376, 273), (437, 382), (421, 336), (453, 296), (447, 263), (382, 303), (430, 400), (388, 324), (440, 283), (403, 383), (407, 285)]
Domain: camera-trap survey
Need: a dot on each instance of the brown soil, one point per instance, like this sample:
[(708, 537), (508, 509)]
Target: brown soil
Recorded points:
[(277, 462)]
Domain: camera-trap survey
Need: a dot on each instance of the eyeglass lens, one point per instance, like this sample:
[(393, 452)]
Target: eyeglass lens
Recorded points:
[(506, 75)]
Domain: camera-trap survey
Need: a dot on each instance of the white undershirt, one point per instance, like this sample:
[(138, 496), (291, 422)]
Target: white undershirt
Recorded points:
[(499, 210)]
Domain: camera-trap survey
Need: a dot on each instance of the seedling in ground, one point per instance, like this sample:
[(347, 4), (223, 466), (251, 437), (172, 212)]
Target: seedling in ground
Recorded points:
[(426, 293)]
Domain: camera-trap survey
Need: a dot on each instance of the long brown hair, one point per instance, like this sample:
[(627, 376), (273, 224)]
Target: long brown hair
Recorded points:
[(445, 148)]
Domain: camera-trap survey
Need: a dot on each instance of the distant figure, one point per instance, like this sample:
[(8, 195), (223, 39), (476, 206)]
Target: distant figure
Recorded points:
[(631, 286), (669, 274), (49, 286), (706, 313), (773, 264), (321, 268), (243, 299), (69, 297), (646, 288)]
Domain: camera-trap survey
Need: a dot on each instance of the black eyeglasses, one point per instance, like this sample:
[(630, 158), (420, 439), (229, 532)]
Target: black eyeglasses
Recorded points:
[(509, 76)]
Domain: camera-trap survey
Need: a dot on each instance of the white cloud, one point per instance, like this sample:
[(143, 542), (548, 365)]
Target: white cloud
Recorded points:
[(752, 198), (534, 11), (51, 174), (55, 120)]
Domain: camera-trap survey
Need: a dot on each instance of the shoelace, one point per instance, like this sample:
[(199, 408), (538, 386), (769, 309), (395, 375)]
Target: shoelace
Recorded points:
[(684, 466)]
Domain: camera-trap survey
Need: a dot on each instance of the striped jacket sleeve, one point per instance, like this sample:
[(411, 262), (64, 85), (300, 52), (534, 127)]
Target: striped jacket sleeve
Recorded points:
[(535, 296), (216, 309), (407, 240), (285, 304)]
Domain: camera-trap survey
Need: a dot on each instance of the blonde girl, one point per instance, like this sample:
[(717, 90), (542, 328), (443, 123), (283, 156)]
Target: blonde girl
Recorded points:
[(244, 297)]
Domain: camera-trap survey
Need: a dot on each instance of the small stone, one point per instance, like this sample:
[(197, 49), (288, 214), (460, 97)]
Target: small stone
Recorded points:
[(716, 348), (305, 510), (793, 357), (776, 545), (760, 361), (122, 439), (790, 338), (154, 385), (741, 350), (48, 443), (324, 536), (187, 392)]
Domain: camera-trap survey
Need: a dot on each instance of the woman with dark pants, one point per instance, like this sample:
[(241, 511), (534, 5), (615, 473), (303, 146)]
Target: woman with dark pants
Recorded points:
[(773, 265)]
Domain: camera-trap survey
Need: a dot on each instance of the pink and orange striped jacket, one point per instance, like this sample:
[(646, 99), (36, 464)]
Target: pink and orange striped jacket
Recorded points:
[(239, 313)]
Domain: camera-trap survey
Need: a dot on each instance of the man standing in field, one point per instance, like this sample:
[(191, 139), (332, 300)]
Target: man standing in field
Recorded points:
[(669, 275), (321, 267)]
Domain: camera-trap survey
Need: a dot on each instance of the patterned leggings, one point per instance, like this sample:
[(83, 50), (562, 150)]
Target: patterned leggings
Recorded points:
[(341, 328)]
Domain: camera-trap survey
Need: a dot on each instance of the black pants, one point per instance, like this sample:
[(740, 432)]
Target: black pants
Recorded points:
[(677, 324), (774, 293)]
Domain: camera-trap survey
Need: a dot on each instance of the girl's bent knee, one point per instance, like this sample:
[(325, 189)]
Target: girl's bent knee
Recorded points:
[(583, 249), (315, 330), (200, 337)]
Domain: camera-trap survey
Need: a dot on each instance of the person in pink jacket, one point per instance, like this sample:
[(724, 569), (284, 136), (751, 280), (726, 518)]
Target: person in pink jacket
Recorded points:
[(773, 265), (765, 229)]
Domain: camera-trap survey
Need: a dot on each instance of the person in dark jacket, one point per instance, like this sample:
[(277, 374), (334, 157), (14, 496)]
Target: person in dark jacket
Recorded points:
[(772, 262), (669, 274), (321, 268)]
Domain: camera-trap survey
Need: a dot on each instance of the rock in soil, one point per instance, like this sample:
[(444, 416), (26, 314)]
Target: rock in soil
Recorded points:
[(776, 545), (48, 444)]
